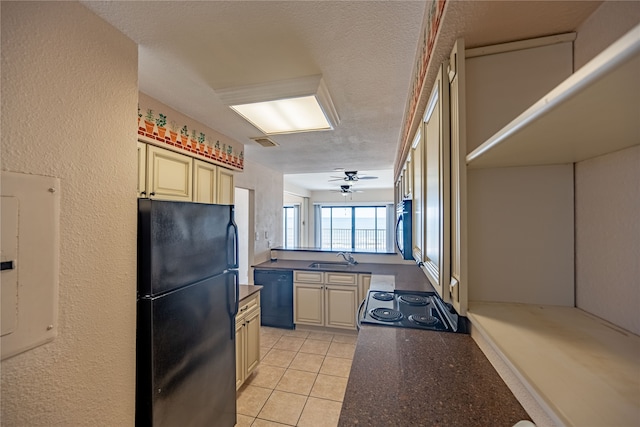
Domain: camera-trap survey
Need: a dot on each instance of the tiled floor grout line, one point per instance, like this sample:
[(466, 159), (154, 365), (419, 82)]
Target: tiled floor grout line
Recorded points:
[(304, 336)]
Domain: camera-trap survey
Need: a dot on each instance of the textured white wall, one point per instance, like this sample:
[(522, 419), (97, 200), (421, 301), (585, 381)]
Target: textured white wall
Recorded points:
[(69, 102), (268, 185), (608, 237), (607, 198), (607, 24)]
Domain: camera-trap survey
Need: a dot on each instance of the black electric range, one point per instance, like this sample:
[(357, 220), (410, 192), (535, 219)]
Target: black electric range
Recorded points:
[(408, 309)]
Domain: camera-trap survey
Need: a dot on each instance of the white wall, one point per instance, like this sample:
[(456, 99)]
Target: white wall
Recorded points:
[(268, 185), (608, 237), (607, 24), (69, 102), (607, 191)]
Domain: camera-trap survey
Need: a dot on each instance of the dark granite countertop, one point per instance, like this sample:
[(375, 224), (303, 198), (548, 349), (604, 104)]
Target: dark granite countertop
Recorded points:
[(410, 377), (247, 290), (407, 276)]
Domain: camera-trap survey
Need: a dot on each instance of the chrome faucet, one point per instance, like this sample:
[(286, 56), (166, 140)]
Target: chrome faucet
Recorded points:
[(348, 257)]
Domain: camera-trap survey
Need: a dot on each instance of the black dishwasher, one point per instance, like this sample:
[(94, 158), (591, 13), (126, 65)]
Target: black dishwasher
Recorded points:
[(276, 297)]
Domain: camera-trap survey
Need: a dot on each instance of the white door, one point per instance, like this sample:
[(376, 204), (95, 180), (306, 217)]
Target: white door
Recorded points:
[(242, 214)]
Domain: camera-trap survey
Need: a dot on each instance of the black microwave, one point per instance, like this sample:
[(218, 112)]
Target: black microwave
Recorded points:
[(403, 229)]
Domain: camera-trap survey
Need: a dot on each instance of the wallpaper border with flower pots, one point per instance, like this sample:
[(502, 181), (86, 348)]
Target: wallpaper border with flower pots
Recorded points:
[(434, 12), (165, 127)]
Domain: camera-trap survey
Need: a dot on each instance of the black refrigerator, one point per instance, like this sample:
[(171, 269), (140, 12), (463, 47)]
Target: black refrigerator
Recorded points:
[(186, 305)]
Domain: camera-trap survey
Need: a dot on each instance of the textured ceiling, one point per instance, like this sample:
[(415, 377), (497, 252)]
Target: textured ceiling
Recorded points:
[(365, 51)]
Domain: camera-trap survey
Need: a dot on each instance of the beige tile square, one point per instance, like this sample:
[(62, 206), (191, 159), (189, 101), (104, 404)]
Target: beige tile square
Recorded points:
[(345, 339), (251, 399), (264, 351), (243, 420), (266, 376), (336, 366), (320, 336), (265, 423), (307, 362), (268, 340), (299, 382), (315, 347), (283, 407), (320, 413), (268, 330), (296, 333), (341, 350), (276, 357), (329, 387), (289, 343)]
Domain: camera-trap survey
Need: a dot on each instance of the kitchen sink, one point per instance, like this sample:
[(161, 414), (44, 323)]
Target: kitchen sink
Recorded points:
[(329, 265)]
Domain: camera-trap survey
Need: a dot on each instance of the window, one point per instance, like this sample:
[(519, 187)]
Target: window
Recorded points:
[(291, 219), (354, 228)]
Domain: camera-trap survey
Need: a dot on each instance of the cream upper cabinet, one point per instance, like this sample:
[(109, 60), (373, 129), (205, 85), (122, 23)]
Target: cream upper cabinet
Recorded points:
[(458, 280), (418, 196), (226, 187), (437, 189), (142, 169), (169, 174), (204, 182)]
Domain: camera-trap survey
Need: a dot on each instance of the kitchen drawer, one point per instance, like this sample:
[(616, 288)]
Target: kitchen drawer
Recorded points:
[(308, 276), (341, 279), (249, 303)]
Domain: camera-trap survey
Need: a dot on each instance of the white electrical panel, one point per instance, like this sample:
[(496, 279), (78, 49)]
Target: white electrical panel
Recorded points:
[(29, 255)]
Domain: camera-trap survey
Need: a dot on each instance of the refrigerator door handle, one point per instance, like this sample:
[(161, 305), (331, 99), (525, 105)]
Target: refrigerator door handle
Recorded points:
[(232, 244), (234, 305)]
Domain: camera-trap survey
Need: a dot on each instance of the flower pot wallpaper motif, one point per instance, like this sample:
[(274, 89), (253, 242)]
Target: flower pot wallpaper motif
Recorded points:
[(201, 139), (173, 132), (184, 135), (161, 122), (149, 122), (153, 126)]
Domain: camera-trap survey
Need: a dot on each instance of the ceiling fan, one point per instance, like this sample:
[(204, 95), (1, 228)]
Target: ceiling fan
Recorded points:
[(346, 189), (352, 176)]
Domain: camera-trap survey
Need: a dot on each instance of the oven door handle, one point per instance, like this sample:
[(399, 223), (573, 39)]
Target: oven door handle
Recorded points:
[(358, 313)]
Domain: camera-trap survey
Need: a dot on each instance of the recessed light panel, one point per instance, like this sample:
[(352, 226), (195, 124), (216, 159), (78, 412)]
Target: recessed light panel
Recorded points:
[(301, 114)]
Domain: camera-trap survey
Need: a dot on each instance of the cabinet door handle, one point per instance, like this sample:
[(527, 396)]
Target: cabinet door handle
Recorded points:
[(153, 193)]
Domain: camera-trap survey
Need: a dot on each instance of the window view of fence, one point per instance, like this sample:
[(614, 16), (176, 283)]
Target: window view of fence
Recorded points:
[(357, 228)]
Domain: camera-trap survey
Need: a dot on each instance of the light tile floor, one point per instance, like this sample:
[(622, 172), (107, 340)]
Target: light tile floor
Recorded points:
[(301, 379)]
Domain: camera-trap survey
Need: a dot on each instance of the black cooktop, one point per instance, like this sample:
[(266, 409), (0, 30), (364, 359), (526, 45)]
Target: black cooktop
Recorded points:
[(407, 309)]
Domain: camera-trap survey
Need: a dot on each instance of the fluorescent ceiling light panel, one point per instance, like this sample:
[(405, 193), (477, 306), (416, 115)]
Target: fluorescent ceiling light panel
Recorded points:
[(296, 105), (302, 114)]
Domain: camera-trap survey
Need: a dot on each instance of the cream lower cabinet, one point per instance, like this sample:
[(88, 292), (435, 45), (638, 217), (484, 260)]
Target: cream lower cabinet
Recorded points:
[(325, 299), (247, 338), (364, 283)]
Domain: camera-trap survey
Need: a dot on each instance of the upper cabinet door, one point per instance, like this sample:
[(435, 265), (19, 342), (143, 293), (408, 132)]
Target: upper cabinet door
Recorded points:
[(417, 164), (204, 182), (436, 251), (226, 187), (142, 169), (458, 281), (169, 175)]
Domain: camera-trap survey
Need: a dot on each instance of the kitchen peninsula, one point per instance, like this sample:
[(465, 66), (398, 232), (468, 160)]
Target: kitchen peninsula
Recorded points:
[(402, 376)]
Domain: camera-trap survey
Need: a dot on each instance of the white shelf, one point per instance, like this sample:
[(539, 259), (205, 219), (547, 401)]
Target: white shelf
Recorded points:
[(593, 112), (582, 369)]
